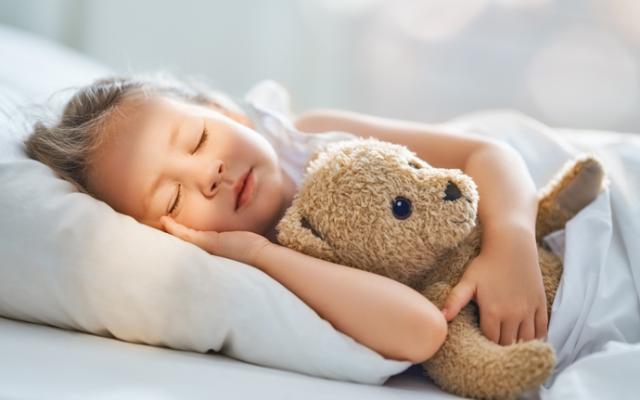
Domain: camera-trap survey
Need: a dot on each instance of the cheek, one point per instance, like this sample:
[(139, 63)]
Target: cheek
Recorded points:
[(205, 215)]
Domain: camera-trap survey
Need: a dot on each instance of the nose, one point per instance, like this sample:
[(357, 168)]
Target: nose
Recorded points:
[(212, 177), (452, 192)]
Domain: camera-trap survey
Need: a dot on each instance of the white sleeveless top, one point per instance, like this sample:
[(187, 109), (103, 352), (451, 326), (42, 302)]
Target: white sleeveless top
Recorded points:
[(268, 105)]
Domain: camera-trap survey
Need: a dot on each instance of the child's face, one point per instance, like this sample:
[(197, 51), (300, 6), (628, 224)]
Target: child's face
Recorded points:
[(139, 150)]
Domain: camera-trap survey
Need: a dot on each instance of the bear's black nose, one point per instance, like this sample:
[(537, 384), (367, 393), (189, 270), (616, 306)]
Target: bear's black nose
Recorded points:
[(452, 192)]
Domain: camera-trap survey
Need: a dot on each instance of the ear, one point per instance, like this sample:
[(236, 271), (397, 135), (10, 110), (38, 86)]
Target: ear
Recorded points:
[(296, 232)]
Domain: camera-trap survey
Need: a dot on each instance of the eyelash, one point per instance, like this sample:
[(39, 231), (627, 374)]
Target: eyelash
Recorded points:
[(203, 140), (175, 205)]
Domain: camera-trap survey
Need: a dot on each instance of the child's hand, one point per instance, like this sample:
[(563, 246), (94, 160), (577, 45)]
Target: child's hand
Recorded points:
[(506, 283), (238, 245)]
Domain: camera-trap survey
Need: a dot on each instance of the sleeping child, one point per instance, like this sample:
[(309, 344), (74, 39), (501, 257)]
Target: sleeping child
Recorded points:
[(191, 162)]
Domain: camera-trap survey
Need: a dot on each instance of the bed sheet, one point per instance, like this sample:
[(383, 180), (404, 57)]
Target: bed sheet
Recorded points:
[(42, 362), (595, 323)]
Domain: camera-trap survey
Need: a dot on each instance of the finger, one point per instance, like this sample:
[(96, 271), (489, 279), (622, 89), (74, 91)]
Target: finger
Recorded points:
[(541, 323), (490, 327), (185, 233), (459, 297), (527, 330), (508, 332), (206, 240), (174, 227), (164, 223)]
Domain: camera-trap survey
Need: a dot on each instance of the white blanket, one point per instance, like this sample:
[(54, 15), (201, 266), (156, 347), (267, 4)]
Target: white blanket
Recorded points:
[(595, 324)]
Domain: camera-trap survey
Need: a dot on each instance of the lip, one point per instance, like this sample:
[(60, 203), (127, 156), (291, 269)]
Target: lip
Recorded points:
[(243, 188)]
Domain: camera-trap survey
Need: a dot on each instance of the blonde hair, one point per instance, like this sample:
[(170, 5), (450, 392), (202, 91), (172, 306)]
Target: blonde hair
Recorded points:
[(69, 145)]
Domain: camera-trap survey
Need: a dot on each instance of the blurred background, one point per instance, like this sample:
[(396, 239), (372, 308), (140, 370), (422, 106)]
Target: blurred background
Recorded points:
[(567, 63)]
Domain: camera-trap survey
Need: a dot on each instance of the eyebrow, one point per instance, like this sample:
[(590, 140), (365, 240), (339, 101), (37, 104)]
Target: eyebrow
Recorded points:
[(149, 193)]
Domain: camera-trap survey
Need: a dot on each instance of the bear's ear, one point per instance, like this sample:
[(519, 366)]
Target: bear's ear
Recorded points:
[(296, 232)]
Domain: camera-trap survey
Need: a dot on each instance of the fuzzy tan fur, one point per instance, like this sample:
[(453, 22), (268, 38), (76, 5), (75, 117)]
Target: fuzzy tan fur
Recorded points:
[(343, 214)]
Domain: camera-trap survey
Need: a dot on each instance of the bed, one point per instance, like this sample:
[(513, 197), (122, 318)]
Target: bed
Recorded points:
[(41, 362), (597, 349)]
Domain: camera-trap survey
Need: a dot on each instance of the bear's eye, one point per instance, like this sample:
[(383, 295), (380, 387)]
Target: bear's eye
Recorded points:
[(415, 164), (401, 207)]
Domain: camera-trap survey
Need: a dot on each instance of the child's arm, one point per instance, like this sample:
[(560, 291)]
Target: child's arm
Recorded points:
[(505, 278), (382, 314)]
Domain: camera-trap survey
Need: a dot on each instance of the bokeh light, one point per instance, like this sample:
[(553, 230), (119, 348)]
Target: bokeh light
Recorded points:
[(584, 77), (523, 3), (433, 19), (347, 7), (625, 15)]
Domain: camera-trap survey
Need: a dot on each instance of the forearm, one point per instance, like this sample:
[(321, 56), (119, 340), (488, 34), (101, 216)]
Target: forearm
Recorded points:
[(508, 197), (382, 314)]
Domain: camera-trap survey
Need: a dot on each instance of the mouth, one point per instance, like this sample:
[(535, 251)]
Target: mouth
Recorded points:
[(240, 187), (462, 221)]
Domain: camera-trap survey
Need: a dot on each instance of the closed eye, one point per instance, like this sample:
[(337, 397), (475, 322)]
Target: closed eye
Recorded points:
[(175, 204), (203, 139)]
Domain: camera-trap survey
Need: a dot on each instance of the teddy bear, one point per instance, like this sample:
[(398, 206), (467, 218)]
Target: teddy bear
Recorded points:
[(376, 206)]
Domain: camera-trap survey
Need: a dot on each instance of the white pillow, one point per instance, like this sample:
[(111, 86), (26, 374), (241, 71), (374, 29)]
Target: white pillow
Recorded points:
[(71, 261)]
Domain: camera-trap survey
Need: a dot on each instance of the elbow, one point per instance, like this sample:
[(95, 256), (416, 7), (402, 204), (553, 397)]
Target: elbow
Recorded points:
[(430, 332), (500, 149)]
